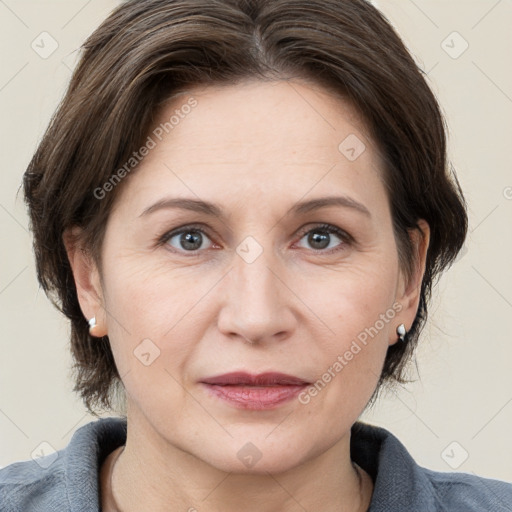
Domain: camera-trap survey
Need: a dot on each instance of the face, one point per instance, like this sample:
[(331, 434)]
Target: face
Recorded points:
[(266, 277)]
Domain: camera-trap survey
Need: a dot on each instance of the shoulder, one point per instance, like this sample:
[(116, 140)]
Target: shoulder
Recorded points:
[(402, 485), (24, 483), (66, 480), (25, 486), (469, 492)]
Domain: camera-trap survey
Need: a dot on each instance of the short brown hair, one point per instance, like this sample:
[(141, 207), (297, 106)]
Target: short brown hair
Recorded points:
[(147, 50)]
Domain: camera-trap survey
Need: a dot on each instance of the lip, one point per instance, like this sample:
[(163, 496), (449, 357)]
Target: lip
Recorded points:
[(261, 379), (254, 391)]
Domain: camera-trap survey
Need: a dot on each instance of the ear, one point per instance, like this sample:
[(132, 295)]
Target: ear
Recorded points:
[(87, 280), (409, 290)]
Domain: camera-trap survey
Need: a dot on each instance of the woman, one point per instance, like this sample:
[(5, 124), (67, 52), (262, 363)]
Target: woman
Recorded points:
[(242, 206)]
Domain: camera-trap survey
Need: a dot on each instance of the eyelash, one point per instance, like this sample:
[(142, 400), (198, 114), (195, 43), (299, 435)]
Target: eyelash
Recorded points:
[(325, 228)]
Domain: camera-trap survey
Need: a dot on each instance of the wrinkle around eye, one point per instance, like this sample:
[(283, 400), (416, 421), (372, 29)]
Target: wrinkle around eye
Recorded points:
[(178, 232), (345, 240)]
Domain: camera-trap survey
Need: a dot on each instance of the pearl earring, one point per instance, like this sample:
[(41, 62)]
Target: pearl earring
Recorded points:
[(400, 330), (92, 324)]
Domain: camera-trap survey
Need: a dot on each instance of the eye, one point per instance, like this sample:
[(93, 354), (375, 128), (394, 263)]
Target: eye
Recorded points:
[(188, 239), (192, 238), (321, 238)]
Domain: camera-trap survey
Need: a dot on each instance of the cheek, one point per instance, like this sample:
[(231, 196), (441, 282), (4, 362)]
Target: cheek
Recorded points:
[(354, 297), (359, 310), (350, 364), (145, 292), (153, 309)]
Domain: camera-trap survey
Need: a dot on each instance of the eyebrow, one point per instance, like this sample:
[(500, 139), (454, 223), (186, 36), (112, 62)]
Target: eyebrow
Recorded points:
[(213, 210)]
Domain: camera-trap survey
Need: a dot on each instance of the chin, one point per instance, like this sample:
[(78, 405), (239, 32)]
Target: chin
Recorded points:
[(251, 453), (275, 463)]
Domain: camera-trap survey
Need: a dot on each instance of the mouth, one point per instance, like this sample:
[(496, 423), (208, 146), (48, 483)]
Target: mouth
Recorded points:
[(257, 392), (262, 379)]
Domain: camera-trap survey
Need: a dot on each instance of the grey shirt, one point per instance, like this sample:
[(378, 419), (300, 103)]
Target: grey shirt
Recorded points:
[(67, 481)]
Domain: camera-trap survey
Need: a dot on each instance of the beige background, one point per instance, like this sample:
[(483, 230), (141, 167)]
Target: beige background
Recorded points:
[(465, 392)]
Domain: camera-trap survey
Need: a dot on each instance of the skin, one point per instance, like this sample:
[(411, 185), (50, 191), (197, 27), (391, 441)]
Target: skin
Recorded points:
[(255, 149)]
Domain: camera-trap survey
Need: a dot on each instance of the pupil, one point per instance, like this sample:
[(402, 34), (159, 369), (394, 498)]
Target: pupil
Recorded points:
[(321, 239), (191, 240)]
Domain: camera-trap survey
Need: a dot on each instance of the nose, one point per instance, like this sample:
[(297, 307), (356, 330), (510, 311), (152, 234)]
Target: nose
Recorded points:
[(258, 303)]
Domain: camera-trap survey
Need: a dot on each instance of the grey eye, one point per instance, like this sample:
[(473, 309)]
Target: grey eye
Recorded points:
[(321, 238), (188, 240)]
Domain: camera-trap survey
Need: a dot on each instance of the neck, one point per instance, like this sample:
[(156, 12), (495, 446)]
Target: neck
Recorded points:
[(151, 473)]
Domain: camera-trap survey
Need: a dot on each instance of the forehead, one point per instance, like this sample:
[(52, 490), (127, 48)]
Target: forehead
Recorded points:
[(282, 117), (264, 139)]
